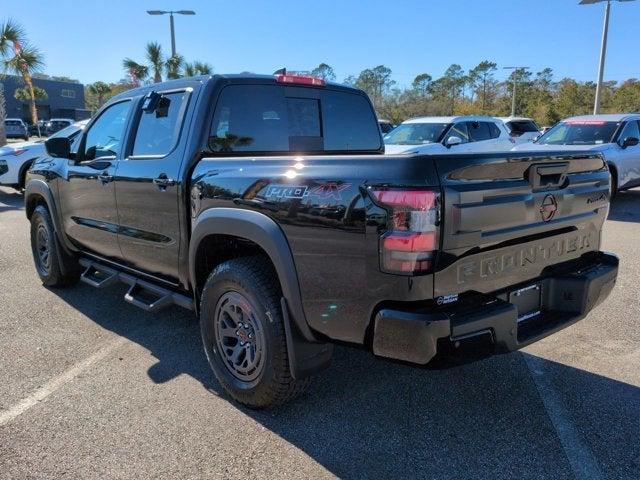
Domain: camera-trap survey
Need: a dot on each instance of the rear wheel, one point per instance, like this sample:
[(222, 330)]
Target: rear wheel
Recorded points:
[(243, 333), (54, 268)]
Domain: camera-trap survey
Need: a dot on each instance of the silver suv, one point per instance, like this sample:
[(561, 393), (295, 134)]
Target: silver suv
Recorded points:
[(615, 136), (16, 128)]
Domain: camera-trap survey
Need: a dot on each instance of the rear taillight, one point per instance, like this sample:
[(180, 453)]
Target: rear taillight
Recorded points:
[(409, 245), (300, 80)]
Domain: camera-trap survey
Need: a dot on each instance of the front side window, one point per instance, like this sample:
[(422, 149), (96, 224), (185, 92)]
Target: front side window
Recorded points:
[(415, 133), (579, 132), (158, 131), (104, 137), (459, 130), (630, 130)]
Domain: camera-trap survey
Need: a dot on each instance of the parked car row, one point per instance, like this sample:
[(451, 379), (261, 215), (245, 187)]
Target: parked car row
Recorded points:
[(16, 158), (17, 128), (615, 136)]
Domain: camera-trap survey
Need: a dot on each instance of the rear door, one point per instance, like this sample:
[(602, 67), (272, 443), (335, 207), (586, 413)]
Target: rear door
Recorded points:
[(508, 216), (147, 186)]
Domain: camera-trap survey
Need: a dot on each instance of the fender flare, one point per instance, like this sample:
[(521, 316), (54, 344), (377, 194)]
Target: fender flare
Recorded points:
[(23, 170), (39, 188), (263, 231)]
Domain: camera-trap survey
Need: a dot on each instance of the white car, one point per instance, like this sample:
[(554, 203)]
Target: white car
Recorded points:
[(521, 129), (615, 136), (438, 135), (56, 124), (16, 158)]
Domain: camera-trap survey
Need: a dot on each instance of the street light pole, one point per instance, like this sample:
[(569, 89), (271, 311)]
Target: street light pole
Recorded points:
[(603, 48), (603, 54), (173, 35), (515, 82), (171, 23)]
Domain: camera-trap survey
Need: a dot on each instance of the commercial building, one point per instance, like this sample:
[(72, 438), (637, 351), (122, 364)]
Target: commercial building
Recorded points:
[(64, 99)]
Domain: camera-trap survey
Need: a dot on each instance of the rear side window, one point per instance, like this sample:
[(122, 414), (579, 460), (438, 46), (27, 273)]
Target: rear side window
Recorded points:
[(263, 118), (479, 131), (494, 130), (158, 131), (518, 127)]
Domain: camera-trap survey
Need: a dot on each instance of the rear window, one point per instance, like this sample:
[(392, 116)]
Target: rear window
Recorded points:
[(272, 118), (13, 123), (518, 127), (580, 133)]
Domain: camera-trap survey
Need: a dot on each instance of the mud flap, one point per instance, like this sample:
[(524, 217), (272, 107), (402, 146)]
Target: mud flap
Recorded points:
[(305, 358)]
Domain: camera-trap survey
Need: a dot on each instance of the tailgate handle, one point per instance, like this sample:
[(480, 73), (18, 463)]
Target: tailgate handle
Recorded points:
[(548, 176)]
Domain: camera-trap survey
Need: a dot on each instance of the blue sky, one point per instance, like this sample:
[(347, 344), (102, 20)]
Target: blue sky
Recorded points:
[(88, 39)]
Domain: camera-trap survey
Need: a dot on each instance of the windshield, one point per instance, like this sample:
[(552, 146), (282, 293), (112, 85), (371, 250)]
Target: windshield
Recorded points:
[(415, 133), (68, 132), (589, 132), (13, 123)]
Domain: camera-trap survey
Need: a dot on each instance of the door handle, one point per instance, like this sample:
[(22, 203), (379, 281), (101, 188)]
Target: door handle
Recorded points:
[(163, 181), (105, 178)]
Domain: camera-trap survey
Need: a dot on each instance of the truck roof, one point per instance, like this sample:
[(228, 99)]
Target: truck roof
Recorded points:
[(234, 77), (470, 118)]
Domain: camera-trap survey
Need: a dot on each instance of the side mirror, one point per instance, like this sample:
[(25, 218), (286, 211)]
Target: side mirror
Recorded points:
[(452, 140), (58, 147), (630, 142)]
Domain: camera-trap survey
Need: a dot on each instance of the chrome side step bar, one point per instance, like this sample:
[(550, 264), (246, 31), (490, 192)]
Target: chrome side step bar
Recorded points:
[(142, 294)]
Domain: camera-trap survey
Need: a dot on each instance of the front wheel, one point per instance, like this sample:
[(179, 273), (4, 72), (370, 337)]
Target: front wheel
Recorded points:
[(54, 268), (243, 333)]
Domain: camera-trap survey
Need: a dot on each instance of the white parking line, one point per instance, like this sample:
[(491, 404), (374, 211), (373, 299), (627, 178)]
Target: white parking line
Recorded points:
[(582, 461), (57, 382)]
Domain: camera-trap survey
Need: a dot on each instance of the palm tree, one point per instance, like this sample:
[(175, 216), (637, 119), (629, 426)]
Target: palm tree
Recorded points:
[(3, 135), (136, 71), (189, 70), (173, 66), (99, 90), (197, 68), (24, 94), (203, 68), (156, 60), (20, 58)]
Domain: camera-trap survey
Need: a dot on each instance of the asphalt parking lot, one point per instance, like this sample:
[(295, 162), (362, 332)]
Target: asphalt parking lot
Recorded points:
[(92, 387)]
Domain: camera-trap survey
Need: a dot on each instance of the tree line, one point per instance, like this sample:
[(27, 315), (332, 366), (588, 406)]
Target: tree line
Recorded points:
[(477, 91)]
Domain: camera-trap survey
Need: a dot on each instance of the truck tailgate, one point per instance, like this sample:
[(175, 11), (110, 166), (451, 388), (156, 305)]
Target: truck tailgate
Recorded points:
[(507, 217)]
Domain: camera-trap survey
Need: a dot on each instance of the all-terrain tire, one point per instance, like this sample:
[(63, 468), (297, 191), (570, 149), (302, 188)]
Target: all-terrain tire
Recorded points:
[(54, 267), (241, 298)]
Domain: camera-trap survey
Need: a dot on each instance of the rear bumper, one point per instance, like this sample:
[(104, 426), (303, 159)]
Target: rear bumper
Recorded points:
[(568, 292)]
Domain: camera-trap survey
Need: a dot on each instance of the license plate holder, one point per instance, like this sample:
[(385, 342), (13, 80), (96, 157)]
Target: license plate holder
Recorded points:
[(527, 300)]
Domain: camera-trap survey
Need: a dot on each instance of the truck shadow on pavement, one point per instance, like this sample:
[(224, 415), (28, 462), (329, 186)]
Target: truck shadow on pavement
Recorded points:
[(625, 207), (10, 200), (368, 418)]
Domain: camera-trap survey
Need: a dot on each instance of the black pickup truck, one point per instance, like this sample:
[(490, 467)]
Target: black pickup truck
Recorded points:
[(265, 205)]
